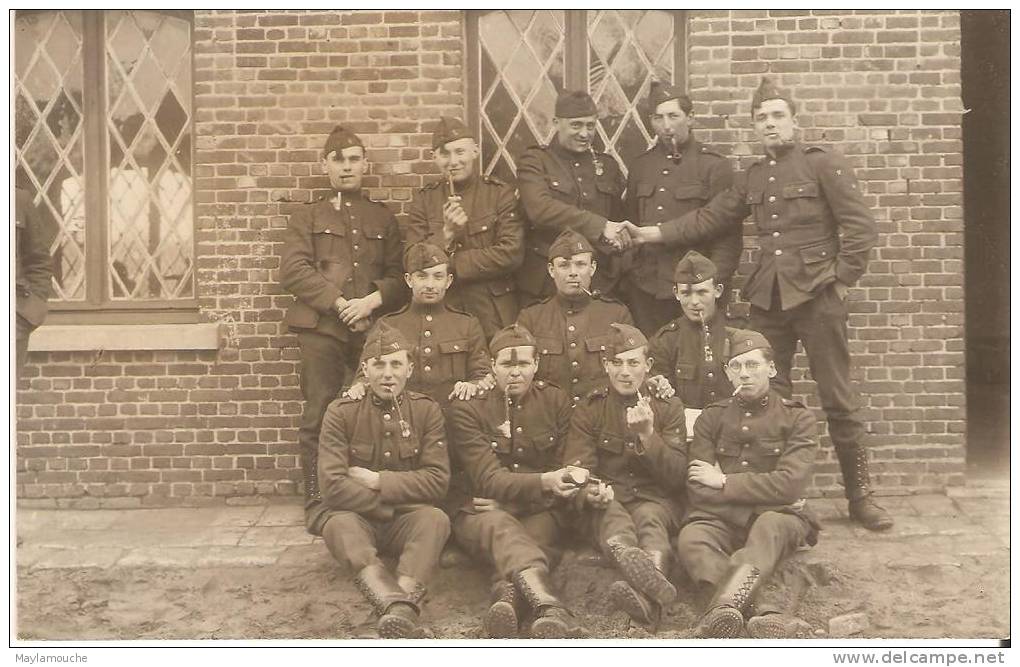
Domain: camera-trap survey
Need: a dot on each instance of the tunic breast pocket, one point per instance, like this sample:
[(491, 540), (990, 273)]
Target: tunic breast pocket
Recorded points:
[(685, 372), (803, 203), (328, 240), (544, 446), (728, 455), (481, 231), (764, 454), (361, 453), (612, 444), (453, 358), (691, 191), (409, 452), (550, 347), (561, 188), (371, 249)]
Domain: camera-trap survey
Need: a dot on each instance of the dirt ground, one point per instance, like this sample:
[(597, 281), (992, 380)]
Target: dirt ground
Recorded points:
[(903, 589)]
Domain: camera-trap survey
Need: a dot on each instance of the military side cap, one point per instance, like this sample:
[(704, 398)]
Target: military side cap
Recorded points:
[(693, 268), (660, 92), (746, 340), (423, 256), (383, 339), (449, 129), (339, 139), (574, 104), (624, 338), (514, 335), (767, 90), (568, 244)]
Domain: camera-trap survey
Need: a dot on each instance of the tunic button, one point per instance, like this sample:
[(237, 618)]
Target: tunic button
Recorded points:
[(386, 454), (355, 246), (518, 430), (573, 345), (329, 232), (427, 334), (576, 399), (775, 216), (658, 208), (745, 427), (743, 463), (747, 414), (711, 375), (571, 328), (428, 318), (347, 203), (775, 451), (574, 364), (577, 164), (772, 163), (516, 466), (494, 445), (520, 449), (583, 194), (556, 182), (428, 368), (779, 252), (630, 445), (665, 171), (427, 350), (354, 231), (574, 381), (662, 189), (772, 179), (775, 234), (772, 198), (485, 228), (355, 264), (387, 417), (570, 312)]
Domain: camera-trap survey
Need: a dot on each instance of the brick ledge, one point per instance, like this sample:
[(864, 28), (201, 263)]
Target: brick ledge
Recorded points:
[(88, 337)]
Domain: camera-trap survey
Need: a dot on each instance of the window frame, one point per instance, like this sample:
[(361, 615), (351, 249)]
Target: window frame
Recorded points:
[(98, 307), (575, 54)]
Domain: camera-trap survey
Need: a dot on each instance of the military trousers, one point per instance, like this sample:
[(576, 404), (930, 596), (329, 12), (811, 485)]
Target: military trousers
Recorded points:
[(642, 523), (510, 543), (707, 548), (416, 538), (327, 364), (821, 324)]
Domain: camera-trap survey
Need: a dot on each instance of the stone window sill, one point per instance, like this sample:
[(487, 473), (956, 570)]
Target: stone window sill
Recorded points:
[(94, 337)]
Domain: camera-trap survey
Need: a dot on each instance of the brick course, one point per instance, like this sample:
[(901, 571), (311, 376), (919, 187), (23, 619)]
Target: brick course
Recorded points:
[(162, 428)]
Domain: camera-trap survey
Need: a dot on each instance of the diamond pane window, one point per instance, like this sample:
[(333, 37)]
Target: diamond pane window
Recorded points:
[(125, 234), (49, 149)]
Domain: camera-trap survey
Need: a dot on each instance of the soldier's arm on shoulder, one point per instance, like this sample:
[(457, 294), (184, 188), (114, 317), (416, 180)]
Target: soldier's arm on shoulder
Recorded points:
[(478, 354), (788, 482), (391, 284), (544, 211), (858, 231), (580, 448), (429, 482), (298, 272), (726, 211), (505, 254), (340, 492)]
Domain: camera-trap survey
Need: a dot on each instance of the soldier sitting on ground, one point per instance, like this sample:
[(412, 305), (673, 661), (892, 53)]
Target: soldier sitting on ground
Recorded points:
[(751, 462), (635, 443), (509, 441), (383, 464)]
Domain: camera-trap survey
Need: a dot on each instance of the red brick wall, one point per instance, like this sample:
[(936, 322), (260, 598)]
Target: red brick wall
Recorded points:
[(159, 428)]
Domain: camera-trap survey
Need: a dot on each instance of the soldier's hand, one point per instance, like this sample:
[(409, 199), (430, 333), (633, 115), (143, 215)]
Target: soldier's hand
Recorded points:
[(487, 383), (706, 474), (841, 289), (454, 215), (364, 476), (356, 391), (485, 504), (358, 309), (463, 391), (339, 304), (661, 386), (641, 419), (559, 483), (642, 235), (361, 325), (599, 495)]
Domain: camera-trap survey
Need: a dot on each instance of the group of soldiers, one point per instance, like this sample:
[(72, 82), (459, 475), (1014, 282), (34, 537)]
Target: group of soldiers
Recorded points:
[(562, 367)]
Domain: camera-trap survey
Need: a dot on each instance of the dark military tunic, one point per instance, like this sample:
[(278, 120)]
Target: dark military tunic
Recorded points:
[(678, 354), (485, 255), (33, 268), (659, 190), (560, 190), (571, 336), (447, 347), (767, 451)]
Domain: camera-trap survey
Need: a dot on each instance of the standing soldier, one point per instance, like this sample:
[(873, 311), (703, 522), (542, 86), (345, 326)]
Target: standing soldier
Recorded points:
[(678, 174), (636, 444), (571, 328), (510, 443), (383, 464), (474, 218), (568, 185), (448, 348), (690, 351), (815, 233), (33, 270), (341, 261), (751, 461)]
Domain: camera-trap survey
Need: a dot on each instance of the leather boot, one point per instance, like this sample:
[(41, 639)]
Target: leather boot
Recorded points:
[(398, 613), (640, 571), (634, 604), (778, 626), (502, 620), (552, 619), (725, 614), (857, 481)]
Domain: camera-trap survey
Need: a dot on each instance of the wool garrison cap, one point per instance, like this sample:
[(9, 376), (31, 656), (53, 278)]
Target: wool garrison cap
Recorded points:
[(574, 104), (568, 244), (660, 92), (423, 256), (514, 335), (624, 338), (341, 138), (383, 339), (769, 91), (693, 268), (449, 129), (746, 340)]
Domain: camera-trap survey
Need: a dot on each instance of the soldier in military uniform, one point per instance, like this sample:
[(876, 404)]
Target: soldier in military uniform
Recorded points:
[(815, 231), (750, 463), (569, 185), (341, 261), (678, 174), (510, 442), (474, 217), (33, 270), (636, 444), (690, 352), (448, 347), (383, 465), (571, 327)]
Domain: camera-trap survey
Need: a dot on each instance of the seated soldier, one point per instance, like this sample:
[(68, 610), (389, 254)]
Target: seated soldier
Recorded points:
[(448, 346), (635, 444), (382, 466), (509, 441), (751, 461), (571, 326), (690, 351)]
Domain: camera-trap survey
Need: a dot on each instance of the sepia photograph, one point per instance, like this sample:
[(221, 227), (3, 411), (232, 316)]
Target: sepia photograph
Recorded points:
[(510, 327)]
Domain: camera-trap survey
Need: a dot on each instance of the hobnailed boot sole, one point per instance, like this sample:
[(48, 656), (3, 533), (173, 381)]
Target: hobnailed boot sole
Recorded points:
[(549, 627), (500, 621), (391, 626), (773, 626), (722, 623), (639, 569), (625, 598)]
